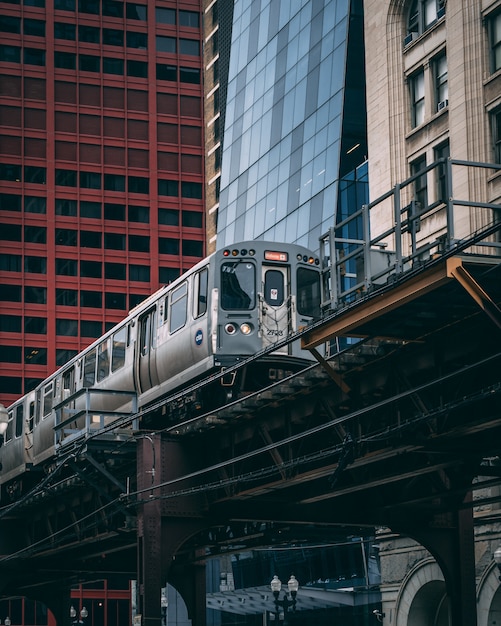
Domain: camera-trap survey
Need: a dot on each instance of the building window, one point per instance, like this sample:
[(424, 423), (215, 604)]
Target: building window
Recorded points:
[(168, 274), (441, 82), (191, 190), (191, 19), (191, 47), (168, 188), (139, 243), (192, 248), (35, 28), (165, 16), (34, 174), (35, 325), (89, 63), (113, 66), (137, 68), (36, 356), (88, 34), (423, 14), (35, 234), (140, 273), (90, 209), (189, 75), (64, 31), (139, 214), (168, 245), (168, 217), (114, 212), (11, 293), (10, 324), (34, 56), (91, 329), (64, 5), (90, 239), (166, 44), (135, 11), (67, 208), (417, 98), (90, 180), (66, 267), (114, 241), (66, 328), (10, 24), (66, 178), (115, 271), (115, 301), (10, 54), (113, 37), (90, 269), (35, 265), (166, 72), (34, 204), (138, 184), (10, 202), (420, 184), (66, 237), (496, 134), (114, 182), (67, 297), (113, 8), (10, 262), (63, 356), (65, 60), (495, 41), (93, 299), (10, 172), (88, 6), (35, 295), (192, 219), (10, 232), (137, 40)]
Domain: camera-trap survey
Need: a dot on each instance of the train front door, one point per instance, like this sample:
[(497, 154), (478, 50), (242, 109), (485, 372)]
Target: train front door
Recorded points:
[(274, 311)]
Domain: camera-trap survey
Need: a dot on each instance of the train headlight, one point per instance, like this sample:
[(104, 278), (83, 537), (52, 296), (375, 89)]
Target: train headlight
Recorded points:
[(246, 328), (230, 328)]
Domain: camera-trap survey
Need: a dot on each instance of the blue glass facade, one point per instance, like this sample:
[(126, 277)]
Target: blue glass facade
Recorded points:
[(285, 123)]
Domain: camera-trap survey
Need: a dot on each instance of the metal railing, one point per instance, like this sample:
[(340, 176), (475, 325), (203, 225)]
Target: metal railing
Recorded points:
[(421, 231)]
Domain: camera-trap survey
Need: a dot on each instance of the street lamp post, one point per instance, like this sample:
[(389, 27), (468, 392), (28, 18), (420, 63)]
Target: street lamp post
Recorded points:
[(285, 604)]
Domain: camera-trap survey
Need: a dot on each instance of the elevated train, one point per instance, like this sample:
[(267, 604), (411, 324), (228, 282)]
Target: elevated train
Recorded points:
[(233, 304)]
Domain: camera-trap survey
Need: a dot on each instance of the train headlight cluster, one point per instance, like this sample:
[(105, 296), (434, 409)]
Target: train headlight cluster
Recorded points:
[(244, 328), (236, 252), (308, 259)]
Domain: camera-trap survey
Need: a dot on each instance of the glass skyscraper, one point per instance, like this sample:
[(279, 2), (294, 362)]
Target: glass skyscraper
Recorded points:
[(295, 118)]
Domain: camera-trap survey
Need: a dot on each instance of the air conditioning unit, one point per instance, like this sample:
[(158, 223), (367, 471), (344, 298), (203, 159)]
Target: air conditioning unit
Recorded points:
[(442, 105), (410, 37)]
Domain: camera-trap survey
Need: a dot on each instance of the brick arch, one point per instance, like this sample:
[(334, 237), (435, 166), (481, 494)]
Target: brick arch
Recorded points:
[(422, 596), (489, 597)]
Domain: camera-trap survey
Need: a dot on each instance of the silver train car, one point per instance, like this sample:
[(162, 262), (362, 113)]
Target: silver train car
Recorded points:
[(233, 304)]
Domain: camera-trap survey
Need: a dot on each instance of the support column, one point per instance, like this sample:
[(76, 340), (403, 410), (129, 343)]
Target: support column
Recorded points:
[(164, 525), (453, 546)]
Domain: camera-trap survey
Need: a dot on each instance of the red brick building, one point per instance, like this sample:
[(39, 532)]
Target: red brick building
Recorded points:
[(101, 169)]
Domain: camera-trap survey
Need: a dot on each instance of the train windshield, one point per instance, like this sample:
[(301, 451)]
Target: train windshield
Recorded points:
[(238, 285), (308, 292)]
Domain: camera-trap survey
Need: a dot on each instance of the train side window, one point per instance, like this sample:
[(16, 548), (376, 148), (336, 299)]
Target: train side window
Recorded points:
[(89, 369), (118, 350), (274, 288), (308, 292), (8, 432), (178, 308), (68, 382), (103, 361), (32, 417), (238, 285), (19, 420), (47, 400), (166, 309), (201, 285), (147, 332)]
